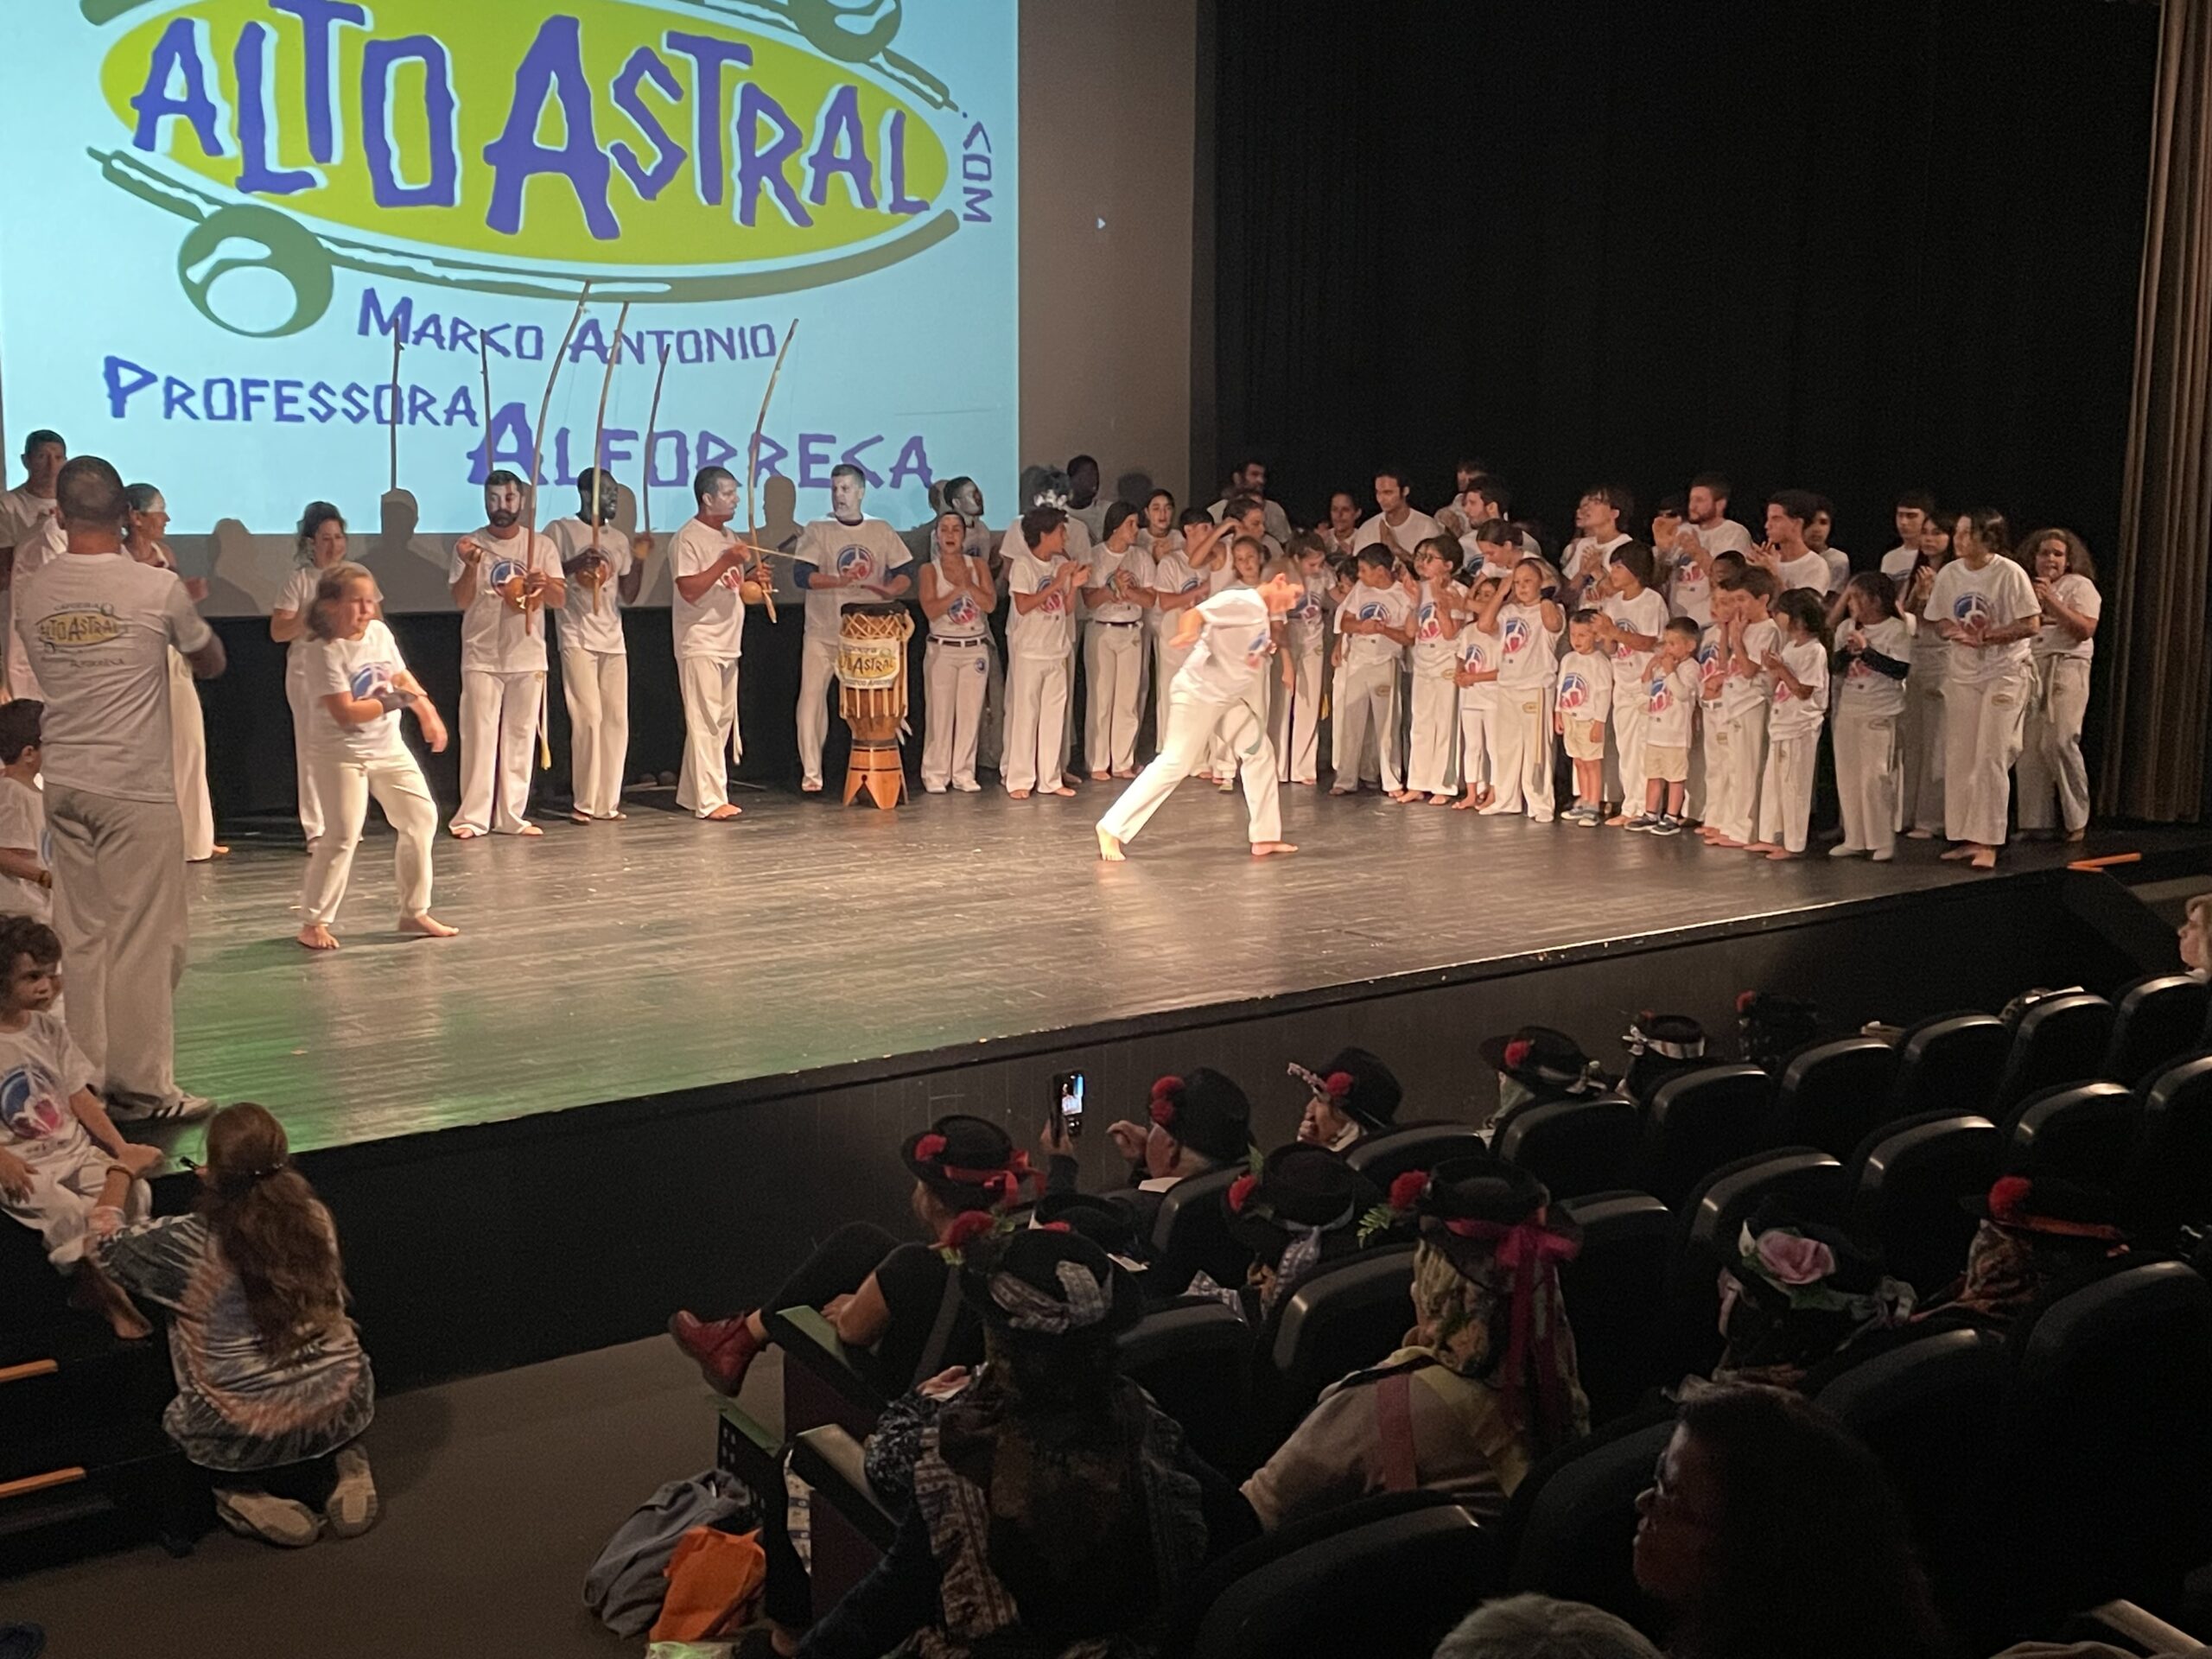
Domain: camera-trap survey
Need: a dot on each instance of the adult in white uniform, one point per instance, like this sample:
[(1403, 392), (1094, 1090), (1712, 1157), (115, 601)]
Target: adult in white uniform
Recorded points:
[(1229, 640), (1984, 606), (149, 521), (845, 559), (1584, 561), (713, 576), (1042, 581), (98, 625), (25, 511), (1294, 698), (320, 546), (1629, 623), (361, 683), (1250, 478), (1118, 592), (505, 577), (1818, 529), (1397, 526), (602, 572), (1705, 531), (959, 596), (2050, 754), (1085, 505), (963, 496), (1785, 552)]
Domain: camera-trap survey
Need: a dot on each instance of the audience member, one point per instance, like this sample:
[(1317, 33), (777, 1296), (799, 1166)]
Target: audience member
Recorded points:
[(1198, 1123), (2033, 1238), (1537, 1627), (1354, 1096), (1302, 1210), (2195, 946), (1535, 1065), (1796, 1294)]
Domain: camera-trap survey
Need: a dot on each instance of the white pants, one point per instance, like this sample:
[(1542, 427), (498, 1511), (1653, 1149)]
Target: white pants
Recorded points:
[(296, 693), (596, 685), (1521, 751), (1113, 668), (1478, 707), (1922, 743), (118, 906), (1036, 714), (1066, 750), (1167, 663), (1786, 789), (954, 680), (1294, 718), (1433, 746), (1983, 721), (64, 1191), (1367, 725), (188, 760), (708, 685), (1697, 794), (1733, 787), (498, 728), (990, 731), (1868, 755), (1193, 728), (817, 683), (344, 785), (2050, 751), (1632, 717)]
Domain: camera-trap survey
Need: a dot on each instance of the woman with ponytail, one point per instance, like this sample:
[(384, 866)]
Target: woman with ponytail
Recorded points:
[(273, 1390)]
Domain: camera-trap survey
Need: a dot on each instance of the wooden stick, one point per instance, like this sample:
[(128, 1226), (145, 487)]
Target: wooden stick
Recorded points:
[(398, 338), (753, 461), (484, 356), (645, 484), (598, 438)]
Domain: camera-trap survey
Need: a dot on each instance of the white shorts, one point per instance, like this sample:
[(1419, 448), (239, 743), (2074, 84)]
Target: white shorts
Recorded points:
[(65, 1188)]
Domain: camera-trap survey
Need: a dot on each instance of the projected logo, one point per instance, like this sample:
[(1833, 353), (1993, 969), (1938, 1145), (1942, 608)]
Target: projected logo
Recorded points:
[(31, 1104), (671, 150)]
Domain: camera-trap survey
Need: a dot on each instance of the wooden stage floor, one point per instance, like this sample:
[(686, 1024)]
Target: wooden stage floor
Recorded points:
[(616, 960)]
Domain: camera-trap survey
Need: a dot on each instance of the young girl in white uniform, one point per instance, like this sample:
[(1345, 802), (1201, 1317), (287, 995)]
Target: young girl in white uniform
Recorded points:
[(1631, 619), (1526, 628), (321, 544), (359, 684), (1177, 586), (1433, 746), (1799, 671), (1874, 655), (1294, 701), (1117, 594), (1986, 606), (1921, 809), (2050, 756), (1731, 817), (957, 597), (1475, 677), (1373, 626), (1244, 568)]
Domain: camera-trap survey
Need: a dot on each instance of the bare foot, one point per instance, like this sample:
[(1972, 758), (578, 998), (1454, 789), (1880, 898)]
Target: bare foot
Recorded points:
[(724, 813), (1768, 848), (2083, 834), (1336, 792), (460, 832), (1783, 852), (1125, 774), (1110, 849), (316, 937), (530, 829), (1063, 792), (1920, 835), (97, 1294), (1959, 854), (1467, 803), (1441, 800), (1100, 776), (428, 925), (1070, 779), (1984, 858), (807, 788), (1483, 796), (617, 817), (1271, 849), (1724, 841), (579, 818), (1617, 821), (1017, 794)]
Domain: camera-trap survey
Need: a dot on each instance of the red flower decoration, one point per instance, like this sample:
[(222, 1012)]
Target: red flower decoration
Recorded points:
[(1517, 1053), (1407, 1188), (2006, 1197), (1240, 1193), (1743, 1002), (1338, 1083), (1054, 1227), (1165, 1094), (967, 1226), (930, 1148), (1002, 1186)]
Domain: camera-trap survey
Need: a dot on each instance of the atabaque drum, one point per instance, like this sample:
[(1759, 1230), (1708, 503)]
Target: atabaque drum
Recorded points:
[(872, 697)]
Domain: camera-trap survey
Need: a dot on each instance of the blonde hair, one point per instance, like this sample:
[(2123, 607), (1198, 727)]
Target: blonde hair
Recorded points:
[(329, 588)]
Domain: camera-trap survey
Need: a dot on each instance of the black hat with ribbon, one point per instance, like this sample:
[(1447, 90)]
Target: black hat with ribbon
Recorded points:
[(1545, 1061), (1358, 1085), (1207, 1112), (1660, 1045), (2050, 1206), (967, 1163), (1048, 1283), (1104, 1223), (1303, 1199)]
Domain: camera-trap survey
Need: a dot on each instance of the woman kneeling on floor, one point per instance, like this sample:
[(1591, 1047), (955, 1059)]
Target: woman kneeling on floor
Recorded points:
[(273, 1390)]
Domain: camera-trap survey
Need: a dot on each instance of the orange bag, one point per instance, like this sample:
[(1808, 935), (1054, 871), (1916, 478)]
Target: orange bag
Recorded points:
[(715, 1581)]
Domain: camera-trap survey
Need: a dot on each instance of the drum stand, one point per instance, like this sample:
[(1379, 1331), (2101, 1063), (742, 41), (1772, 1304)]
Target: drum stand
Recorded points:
[(877, 768)]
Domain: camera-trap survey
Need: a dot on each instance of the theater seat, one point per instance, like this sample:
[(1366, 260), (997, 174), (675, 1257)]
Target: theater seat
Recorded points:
[(852, 1527), (2155, 1022), (1195, 1360), (2078, 1133), (1383, 1158), (824, 1382), (1346, 1317), (1907, 1180), (1948, 1064), (1390, 1589), (1615, 1292), (1570, 1526), (1832, 1094), (1191, 1233), (2107, 1434), (1712, 1221), (1574, 1146), (1698, 1122), (2168, 1178), (2060, 1040)]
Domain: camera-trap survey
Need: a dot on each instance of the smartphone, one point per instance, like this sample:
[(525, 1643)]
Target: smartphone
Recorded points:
[(1067, 1101)]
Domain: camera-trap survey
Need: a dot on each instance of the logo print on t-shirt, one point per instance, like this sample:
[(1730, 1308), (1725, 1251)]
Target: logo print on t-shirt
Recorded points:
[(1970, 607), (854, 562), (1517, 636), (31, 1106), (1372, 610), (89, 625), (370, 680), (1661, 692), (505, 571), (963, 611), (1573, 690), (1430, 629)]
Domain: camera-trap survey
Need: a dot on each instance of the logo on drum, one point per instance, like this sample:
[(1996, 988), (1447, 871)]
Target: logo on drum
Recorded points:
[(31, 1104), (1574, 691), (370, 681)]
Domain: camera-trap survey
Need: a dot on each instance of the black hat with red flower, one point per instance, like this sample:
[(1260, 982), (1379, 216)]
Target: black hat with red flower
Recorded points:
[(1045, 1284), (967, 1163), (1359, 1086), (1207, 1111), (1546, 1061), (1299, 1189)]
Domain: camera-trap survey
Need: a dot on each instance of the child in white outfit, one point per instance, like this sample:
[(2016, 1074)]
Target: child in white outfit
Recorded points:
[(1873, 656), (1801, 702), (1584, 706), (1670, 726), (1373, 626)]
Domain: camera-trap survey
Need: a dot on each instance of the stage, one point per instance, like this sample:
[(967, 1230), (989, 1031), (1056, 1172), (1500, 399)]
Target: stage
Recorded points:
[(662, 1053)]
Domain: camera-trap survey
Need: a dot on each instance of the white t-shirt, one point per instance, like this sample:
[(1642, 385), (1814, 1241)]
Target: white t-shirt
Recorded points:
[(21, 512), (1480, 651), (1809, 570), (495, 637), (1402, 538), (1531, 649), (1273, 519), (1224, 666), (99, 629), (1741, 694), (1866, 691), (1794, 716), (2078, 595), (1048, 630), (1897, 562), (586, 626), (1172, 573), (1689, 586), (41, 1070), (869, 552), (1838, 563), (1305, 625), (1389, 605), (1647, 614), (360, 669), (42, 543), (1712, 660), (23, 826), (297, 593), (964, 619), (714, 626), (1583, 565), (1586, 686), (2000, 593), (1433, 652), (1104, 564), (1670, 699)]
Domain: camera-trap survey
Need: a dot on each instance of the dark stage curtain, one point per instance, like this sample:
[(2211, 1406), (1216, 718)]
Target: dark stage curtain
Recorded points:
[(1852, 245)]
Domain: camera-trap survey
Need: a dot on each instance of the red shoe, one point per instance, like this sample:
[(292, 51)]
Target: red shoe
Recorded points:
[(722, 1349)]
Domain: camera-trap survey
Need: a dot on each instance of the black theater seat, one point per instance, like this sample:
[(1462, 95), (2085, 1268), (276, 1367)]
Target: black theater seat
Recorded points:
[(2155, 1022), (2060, 1040), (2169, 1179), (1832, 1094), (1707, 1232), (1698, 1122), (1570, 1528), (1907, 1182), (852, 1527), (1345, 1318), (1574, 1146), (2080, 1133), (1615, 1292), (1948, 1064), (1383, 1158), (1195, 1359), (1191, 1234)]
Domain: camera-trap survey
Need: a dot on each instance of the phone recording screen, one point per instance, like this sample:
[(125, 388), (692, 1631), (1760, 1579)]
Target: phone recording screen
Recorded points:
[(1067, 1094)]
